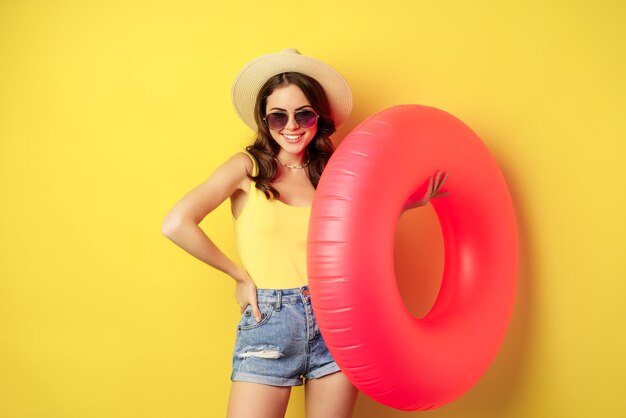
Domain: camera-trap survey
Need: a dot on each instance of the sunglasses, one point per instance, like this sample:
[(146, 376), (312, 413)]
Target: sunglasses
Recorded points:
[(278, 120)]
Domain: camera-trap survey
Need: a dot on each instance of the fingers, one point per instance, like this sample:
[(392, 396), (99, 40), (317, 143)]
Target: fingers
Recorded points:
[(256, 313), (246, 295), (440, 179), (437, 177), (443, 180)]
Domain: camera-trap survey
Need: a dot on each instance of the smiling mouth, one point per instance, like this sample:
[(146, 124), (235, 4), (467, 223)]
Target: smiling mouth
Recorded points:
[(292, 138)]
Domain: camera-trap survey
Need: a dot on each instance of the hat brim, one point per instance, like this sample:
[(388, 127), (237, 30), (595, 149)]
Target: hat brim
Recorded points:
[(254, 74)]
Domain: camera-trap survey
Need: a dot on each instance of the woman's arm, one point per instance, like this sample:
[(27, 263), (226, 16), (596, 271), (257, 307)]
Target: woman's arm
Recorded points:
[(181, 223)]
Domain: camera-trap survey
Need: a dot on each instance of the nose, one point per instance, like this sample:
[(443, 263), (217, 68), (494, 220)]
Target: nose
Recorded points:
[(292, 125)]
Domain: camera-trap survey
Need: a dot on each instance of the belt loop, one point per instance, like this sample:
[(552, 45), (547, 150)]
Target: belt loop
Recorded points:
[(279, 299)]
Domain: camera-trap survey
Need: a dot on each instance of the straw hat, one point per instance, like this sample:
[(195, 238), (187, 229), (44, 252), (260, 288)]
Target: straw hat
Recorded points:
[(255, 73)]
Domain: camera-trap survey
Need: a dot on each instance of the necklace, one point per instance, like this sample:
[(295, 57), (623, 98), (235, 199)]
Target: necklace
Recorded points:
[(294, 166)]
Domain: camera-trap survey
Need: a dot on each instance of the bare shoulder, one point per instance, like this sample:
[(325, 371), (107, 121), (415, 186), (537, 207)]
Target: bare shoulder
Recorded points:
[(239, 165), (242, 160)]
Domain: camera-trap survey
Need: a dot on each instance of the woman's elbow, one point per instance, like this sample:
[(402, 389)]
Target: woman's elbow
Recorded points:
[(171, 224)]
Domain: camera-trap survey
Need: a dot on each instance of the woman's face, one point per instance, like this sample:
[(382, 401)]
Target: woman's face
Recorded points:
[(293, 138)]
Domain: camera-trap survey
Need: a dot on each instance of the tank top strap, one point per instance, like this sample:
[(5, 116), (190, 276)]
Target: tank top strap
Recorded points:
[(255, 167), (253, 193)]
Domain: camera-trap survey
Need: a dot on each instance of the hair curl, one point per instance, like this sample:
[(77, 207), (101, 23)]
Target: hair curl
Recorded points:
[(265, 149)]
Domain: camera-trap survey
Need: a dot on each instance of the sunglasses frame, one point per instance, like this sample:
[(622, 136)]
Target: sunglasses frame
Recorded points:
[(295, 116)]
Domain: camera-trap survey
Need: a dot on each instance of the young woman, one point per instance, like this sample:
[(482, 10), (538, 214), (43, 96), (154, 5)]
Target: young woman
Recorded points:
[(294, 103)]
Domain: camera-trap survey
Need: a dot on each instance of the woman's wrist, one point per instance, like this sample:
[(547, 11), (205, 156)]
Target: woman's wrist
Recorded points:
[(239, 275)]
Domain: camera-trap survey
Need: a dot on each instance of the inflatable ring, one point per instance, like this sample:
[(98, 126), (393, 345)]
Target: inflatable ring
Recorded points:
[(394, 358)]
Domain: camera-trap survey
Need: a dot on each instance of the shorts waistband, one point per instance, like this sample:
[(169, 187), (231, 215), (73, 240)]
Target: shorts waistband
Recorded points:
[(281, 296)]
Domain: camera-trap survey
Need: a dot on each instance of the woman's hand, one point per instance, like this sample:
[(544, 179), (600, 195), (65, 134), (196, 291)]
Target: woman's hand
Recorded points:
[(433, 190), (245, 294)]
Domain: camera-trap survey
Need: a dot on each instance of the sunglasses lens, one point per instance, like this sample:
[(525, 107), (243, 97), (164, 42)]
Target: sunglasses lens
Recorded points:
[(306, 118), (277, 120)]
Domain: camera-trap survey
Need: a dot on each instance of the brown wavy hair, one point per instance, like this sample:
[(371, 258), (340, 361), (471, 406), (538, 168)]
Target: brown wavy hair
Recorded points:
[(265, 149)]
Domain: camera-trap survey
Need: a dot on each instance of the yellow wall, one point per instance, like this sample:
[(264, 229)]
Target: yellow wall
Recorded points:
[(111, 111)]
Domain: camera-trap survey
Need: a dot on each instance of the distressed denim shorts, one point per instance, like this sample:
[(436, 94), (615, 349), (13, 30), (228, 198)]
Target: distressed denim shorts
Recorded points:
[(286, 346)]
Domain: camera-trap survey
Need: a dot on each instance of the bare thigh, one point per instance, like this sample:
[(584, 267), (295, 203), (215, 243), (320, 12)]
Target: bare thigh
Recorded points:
[(330, 396), (255, 400)]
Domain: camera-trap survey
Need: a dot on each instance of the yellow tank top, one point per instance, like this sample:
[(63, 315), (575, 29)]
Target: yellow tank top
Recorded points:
[(271, 240)]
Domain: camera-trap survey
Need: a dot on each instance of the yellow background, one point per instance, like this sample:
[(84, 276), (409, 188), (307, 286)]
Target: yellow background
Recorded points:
[(111, 111)]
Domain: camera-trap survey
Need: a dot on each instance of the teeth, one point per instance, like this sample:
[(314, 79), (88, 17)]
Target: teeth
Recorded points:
[(292, 137)]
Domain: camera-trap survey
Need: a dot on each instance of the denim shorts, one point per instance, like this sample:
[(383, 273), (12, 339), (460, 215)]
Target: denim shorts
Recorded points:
[(286, 346)]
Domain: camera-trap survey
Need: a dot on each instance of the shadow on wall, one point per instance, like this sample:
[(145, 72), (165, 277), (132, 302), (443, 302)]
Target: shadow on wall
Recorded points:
[(419, 266)]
